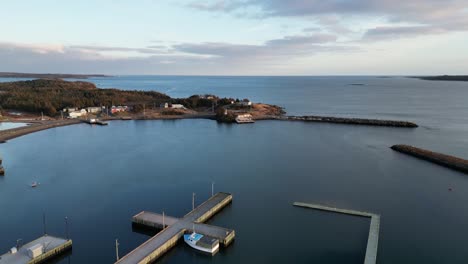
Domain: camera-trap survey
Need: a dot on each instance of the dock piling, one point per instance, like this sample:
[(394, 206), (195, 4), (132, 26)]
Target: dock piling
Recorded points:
[(44, 223), (117, 249)]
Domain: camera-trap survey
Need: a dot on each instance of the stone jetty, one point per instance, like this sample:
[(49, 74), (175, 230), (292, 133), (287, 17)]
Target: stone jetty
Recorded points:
[(348, 121), (448, 161)]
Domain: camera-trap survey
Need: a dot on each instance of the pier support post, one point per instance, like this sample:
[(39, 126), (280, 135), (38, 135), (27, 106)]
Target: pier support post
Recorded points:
[(117, 249), (44, 223), (193, 201)]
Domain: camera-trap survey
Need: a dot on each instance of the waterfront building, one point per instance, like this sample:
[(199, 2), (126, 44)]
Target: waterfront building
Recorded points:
[(117, 109), (76, 114), (69, 109), (93, 110), (245, 103), (178, 106)]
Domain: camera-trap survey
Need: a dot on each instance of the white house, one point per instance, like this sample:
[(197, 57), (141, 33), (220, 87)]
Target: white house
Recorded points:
[(69, 109), (178, 106), (245, 103), (164, 105), (76, 114), (93, 110)]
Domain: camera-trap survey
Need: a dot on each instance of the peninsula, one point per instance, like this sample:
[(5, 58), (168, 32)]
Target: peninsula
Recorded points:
[(462, 78), (47, 103), (49, 75)]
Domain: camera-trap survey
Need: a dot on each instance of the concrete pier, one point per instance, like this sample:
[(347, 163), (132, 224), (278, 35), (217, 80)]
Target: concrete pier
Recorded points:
[(51, 247), (175, 228), (373, 238)]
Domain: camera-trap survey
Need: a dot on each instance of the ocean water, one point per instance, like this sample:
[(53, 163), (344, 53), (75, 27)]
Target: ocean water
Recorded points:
[(101, 176), (10, 125)]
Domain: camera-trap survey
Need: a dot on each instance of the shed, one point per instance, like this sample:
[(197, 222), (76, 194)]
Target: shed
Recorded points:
[(35, 251)]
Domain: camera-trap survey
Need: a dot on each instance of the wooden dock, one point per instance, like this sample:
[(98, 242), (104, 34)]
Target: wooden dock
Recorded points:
[(373, 238), (52, 246), (175, 228)]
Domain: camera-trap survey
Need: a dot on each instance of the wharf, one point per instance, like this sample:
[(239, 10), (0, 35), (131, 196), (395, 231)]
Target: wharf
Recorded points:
[(175, 228), (373, 238), (52, 246)]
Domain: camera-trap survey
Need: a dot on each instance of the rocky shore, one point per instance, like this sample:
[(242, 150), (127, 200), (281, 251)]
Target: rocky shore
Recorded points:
[(344, 120), (448, 161)]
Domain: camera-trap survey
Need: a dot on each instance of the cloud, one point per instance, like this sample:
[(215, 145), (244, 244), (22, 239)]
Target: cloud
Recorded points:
[(180, 58), (386, 33), (148, 50), (220, 5), (434, 16), (36, 48), (288, 46)]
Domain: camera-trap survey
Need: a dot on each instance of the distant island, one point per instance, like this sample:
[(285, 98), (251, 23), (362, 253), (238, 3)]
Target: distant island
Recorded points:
[(49, 75), (463, 78)]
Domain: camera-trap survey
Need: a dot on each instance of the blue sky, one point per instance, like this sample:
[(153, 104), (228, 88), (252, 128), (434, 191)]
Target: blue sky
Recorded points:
[(235, 37)]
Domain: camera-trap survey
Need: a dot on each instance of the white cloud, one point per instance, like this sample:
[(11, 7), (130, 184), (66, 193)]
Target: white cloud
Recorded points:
[(434, 16)]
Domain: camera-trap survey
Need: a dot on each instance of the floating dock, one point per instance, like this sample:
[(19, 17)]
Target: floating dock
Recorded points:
[(174, 228), (37, 251), (373, 238)]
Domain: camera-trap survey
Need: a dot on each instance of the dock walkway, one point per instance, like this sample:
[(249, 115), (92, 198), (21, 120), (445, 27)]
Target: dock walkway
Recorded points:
[(373, 238), (168, 237), (52, 246)]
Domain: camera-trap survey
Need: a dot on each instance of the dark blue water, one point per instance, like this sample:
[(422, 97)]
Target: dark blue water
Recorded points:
[(100, 176)]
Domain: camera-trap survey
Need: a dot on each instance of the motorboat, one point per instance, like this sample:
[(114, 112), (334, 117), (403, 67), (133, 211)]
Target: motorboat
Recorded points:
[(203, 243)]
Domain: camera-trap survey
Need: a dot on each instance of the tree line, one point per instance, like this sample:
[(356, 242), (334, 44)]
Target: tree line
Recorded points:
[(52, 95)]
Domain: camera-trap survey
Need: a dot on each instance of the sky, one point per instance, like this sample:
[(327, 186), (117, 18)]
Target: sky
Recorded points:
[(235, 37)]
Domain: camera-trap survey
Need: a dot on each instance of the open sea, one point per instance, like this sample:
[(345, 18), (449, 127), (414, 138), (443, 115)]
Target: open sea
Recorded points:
[(99, 177)]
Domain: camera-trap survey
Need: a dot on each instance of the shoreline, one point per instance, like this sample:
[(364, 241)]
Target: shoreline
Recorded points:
[(36, 125)]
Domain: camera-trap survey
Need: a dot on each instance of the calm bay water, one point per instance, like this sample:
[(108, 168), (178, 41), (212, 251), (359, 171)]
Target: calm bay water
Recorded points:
[(10, 125), (100, 176)]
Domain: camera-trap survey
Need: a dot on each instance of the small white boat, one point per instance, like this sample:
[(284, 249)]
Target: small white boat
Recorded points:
[(203, 243), (34, 184)]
